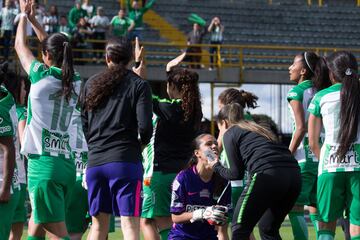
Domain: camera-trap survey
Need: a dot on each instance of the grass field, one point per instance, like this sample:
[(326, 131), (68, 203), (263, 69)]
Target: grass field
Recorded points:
[(285, 232)]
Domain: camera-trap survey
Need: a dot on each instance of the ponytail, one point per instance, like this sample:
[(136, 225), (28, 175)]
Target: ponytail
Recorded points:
[(349, 112), (187, 84), (57, 45), (244, 98), (316, 70), (67, 69), (344, 67), (119, 51)]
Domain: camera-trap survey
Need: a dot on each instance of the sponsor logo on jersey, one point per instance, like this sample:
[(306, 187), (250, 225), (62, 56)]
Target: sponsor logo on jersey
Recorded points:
[(54, 142), (350, 160), (292, 94), (5, 129), (191, 208), (205, 193)]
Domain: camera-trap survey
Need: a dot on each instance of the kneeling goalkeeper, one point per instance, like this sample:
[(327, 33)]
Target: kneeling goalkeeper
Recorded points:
[(195, 213)]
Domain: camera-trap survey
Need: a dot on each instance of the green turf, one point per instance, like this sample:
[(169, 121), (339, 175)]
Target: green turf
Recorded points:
[(285, 232)]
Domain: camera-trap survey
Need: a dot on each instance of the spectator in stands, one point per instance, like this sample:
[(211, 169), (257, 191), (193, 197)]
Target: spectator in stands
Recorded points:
[(120, 25), (75, 14), (81, 33), (7, 16), (89, 8), (64, 25), (195, 37), (51, 20), (136, 13), (216, 30), (100, 24)]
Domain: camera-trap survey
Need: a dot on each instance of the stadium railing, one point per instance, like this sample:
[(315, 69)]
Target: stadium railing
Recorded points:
[(227, 56)]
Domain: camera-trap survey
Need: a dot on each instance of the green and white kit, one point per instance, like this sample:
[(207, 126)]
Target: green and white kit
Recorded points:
[(51, 169), (8, 128), (303, 92), (326, 105), (339, 179)]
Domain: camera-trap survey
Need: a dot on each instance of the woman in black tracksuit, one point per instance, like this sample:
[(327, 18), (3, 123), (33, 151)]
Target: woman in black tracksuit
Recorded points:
[(274, 182)]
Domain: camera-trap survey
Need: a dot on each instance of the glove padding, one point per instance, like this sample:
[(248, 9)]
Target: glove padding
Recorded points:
[(214, 215)]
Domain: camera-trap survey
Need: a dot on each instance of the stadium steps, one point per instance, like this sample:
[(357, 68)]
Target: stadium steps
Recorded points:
[(166, 30)]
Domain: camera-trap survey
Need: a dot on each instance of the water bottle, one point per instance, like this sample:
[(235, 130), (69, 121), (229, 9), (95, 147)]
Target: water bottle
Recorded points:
[(210, 155)]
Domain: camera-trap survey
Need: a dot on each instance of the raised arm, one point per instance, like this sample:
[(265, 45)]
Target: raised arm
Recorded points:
[(38, 29), (22, 49), (148, 6), (235, 170)]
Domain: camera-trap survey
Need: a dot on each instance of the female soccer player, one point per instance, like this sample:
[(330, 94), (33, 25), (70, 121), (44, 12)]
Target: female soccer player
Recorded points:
[(9, 153), (310, 73), (246, 100), (52, 98), (116, 118), (275, 179), (176, 122), (193, 192), (337, 110), (16, 87)]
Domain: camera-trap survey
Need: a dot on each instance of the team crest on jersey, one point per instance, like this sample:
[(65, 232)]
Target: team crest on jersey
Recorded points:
[(205, 193)]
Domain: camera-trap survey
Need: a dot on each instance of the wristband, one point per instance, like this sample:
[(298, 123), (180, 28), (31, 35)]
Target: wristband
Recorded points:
[(23, 15)]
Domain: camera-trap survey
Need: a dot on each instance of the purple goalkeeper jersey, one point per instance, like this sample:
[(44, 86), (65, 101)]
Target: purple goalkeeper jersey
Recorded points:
[(189, 193)]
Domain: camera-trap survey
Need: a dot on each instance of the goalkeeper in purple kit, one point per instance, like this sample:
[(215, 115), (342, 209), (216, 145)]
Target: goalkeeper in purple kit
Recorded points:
[(193, 207)]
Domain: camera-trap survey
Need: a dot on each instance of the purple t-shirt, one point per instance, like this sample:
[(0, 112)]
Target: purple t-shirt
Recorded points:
[(189, 193)]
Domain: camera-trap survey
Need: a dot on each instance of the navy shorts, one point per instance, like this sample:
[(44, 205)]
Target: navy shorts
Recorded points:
[(115, 188)]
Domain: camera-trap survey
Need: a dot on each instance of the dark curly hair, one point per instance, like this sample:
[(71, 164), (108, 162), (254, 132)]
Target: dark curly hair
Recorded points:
[(232, 95), (120, 52), (186, 82)]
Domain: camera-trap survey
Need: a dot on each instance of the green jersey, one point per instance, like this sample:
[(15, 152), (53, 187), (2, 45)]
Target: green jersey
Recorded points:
[(137, 15), (303, 92), (79, 149), (21, 115), (120, 25), (149, 151), (49, 113), (8, 128), (326, 105)]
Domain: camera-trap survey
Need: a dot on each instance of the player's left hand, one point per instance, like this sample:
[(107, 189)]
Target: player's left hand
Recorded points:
[(216, 215)]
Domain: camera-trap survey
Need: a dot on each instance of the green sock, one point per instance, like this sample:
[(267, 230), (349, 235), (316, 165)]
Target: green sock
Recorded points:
[(355, 237), (326, 235), (164, 234), (35, 238), (298, 224), (314, 219)]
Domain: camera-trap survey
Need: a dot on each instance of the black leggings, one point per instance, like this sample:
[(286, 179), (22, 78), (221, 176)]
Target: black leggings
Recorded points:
[(267, 198)]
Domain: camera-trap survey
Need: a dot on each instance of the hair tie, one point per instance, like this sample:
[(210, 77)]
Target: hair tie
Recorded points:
[(307, 62), (65, 44), (348, 72)]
